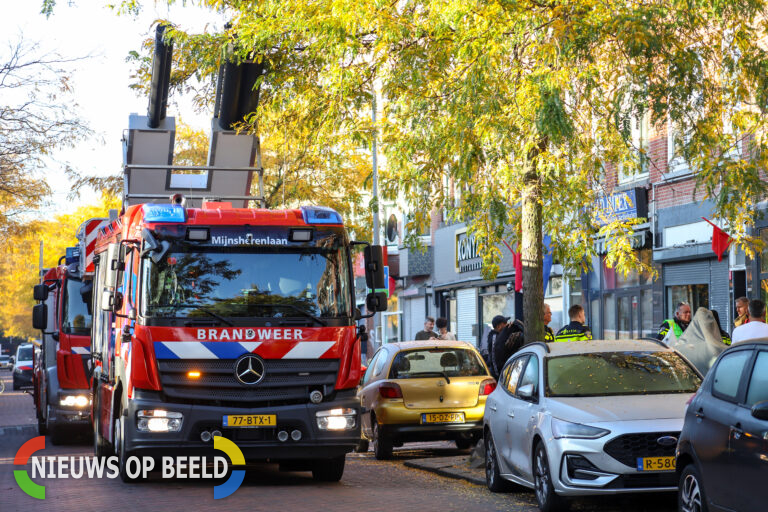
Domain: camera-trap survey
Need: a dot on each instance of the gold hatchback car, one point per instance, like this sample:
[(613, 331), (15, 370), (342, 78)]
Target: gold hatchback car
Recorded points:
[(423, 391)]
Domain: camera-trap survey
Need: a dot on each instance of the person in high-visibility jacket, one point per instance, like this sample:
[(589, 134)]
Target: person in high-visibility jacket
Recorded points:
[(549, 335), (576, 330), (678, 324)]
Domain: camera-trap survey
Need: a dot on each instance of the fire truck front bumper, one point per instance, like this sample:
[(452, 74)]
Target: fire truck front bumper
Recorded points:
[(154, 427)]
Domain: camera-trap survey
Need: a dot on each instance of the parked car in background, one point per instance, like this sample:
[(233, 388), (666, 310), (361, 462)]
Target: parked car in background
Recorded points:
[(587, 418), (722, 457), (5, 362), (424, 391), (22, 368)]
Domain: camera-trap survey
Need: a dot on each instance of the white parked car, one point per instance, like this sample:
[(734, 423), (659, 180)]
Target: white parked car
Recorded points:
[(587, 417), (5, 362)]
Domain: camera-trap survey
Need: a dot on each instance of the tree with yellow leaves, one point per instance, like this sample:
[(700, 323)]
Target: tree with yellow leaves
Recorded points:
[(19, 261)]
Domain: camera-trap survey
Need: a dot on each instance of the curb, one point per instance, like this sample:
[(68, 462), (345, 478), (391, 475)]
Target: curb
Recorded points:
[(18, 430), (445, 469)]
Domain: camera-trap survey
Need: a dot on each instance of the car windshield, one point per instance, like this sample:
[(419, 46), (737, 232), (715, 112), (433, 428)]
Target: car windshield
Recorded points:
[(5, 358), (75, 317), (196, 281), (619, 373), (24, 354), (436, 362)]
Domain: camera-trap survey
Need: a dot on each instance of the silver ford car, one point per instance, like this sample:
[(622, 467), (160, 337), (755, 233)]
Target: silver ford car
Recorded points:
[(587, 417)]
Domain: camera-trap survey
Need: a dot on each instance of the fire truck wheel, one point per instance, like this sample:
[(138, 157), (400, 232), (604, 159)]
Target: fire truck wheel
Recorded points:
[(328, 470), (99, 444), (42, 428), (121, 450), (55, 432)]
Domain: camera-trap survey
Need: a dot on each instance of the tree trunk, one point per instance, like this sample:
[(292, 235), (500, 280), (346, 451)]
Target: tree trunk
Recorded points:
[(531, 252)]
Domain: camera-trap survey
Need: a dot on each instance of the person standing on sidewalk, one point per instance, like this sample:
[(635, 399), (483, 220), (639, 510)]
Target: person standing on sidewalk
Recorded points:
[(508, 341), (742, 312), (498, 323), (576, 330), (756, 328), (549, 335), (427, 333), (442, 329), (677, 324)]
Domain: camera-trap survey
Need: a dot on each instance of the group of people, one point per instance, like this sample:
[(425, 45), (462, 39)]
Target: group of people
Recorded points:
[(749, 324), (442, 330), (506, 337)]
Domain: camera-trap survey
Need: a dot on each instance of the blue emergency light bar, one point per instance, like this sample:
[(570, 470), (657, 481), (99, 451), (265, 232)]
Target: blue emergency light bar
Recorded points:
[(72, 255), (164, 213), (320, 215)]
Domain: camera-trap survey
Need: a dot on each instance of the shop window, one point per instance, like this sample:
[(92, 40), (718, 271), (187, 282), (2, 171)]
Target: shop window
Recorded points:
[(697, 295), (553, 296), (492, 305), (594, 319), (391, 320), (764, 253), (624, 331), (614, 279), (452, 318), (648, 330), (609, 316)]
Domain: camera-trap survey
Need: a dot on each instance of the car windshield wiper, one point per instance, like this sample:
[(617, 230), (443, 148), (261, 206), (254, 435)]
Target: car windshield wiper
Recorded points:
[(206, 310), (442, 374), (297, 309)]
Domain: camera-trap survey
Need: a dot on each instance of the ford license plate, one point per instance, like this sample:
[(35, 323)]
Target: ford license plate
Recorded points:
[(655, 463)]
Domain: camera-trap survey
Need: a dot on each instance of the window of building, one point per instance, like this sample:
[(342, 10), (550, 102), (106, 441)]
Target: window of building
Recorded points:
[(697, 295), (492, 304), (640, 133), (553, 296)]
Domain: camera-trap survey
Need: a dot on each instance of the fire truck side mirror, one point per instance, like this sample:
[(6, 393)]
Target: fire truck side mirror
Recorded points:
[(40, 317), (114, 266), (40, 292), (376, 301), (374, 267)]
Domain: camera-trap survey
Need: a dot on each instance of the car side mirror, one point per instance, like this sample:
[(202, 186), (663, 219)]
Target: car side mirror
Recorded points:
[(526, 392), (760, 410), (40, 316)]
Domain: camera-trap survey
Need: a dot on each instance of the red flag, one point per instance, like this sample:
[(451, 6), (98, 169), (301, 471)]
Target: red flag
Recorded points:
[(517, 260), (720, 240)]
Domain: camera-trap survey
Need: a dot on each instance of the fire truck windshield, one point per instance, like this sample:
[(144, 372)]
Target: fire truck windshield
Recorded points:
[(193, 281), (75, 318)]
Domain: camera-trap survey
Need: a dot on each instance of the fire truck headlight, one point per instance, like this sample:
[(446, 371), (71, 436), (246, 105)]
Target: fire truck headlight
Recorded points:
[(159, 420), (74, 400), (336, 419)]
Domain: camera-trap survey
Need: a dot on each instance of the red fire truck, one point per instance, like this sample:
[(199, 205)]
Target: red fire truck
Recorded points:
[(228, 321), (62, 372)]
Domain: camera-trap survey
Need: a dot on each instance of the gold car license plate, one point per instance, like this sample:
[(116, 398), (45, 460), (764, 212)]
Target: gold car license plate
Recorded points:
[(655, 463), (442, 417), (250, 420)]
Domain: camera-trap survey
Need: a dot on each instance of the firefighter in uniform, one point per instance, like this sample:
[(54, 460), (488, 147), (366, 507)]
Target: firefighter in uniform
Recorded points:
[(576, 330), (678, 324)]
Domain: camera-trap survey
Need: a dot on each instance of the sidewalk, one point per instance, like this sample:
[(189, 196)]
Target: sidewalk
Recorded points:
[(463, 467)]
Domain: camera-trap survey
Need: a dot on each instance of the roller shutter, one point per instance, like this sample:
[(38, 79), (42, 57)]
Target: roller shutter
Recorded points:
[(466, 312)]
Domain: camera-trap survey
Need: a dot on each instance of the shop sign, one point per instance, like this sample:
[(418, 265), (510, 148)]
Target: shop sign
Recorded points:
[(629, 204), (467, 256)]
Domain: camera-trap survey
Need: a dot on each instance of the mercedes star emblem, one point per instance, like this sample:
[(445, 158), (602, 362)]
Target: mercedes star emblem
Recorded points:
[(249, 369)]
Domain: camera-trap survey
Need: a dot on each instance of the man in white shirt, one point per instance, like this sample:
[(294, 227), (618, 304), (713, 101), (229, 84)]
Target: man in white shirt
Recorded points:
[(756, 327)]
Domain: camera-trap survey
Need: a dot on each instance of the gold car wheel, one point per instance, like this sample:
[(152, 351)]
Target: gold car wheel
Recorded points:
[(382, 445)]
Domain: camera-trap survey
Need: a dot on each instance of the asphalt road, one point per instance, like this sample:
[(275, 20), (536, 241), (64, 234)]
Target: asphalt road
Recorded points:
[(367, 485)]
